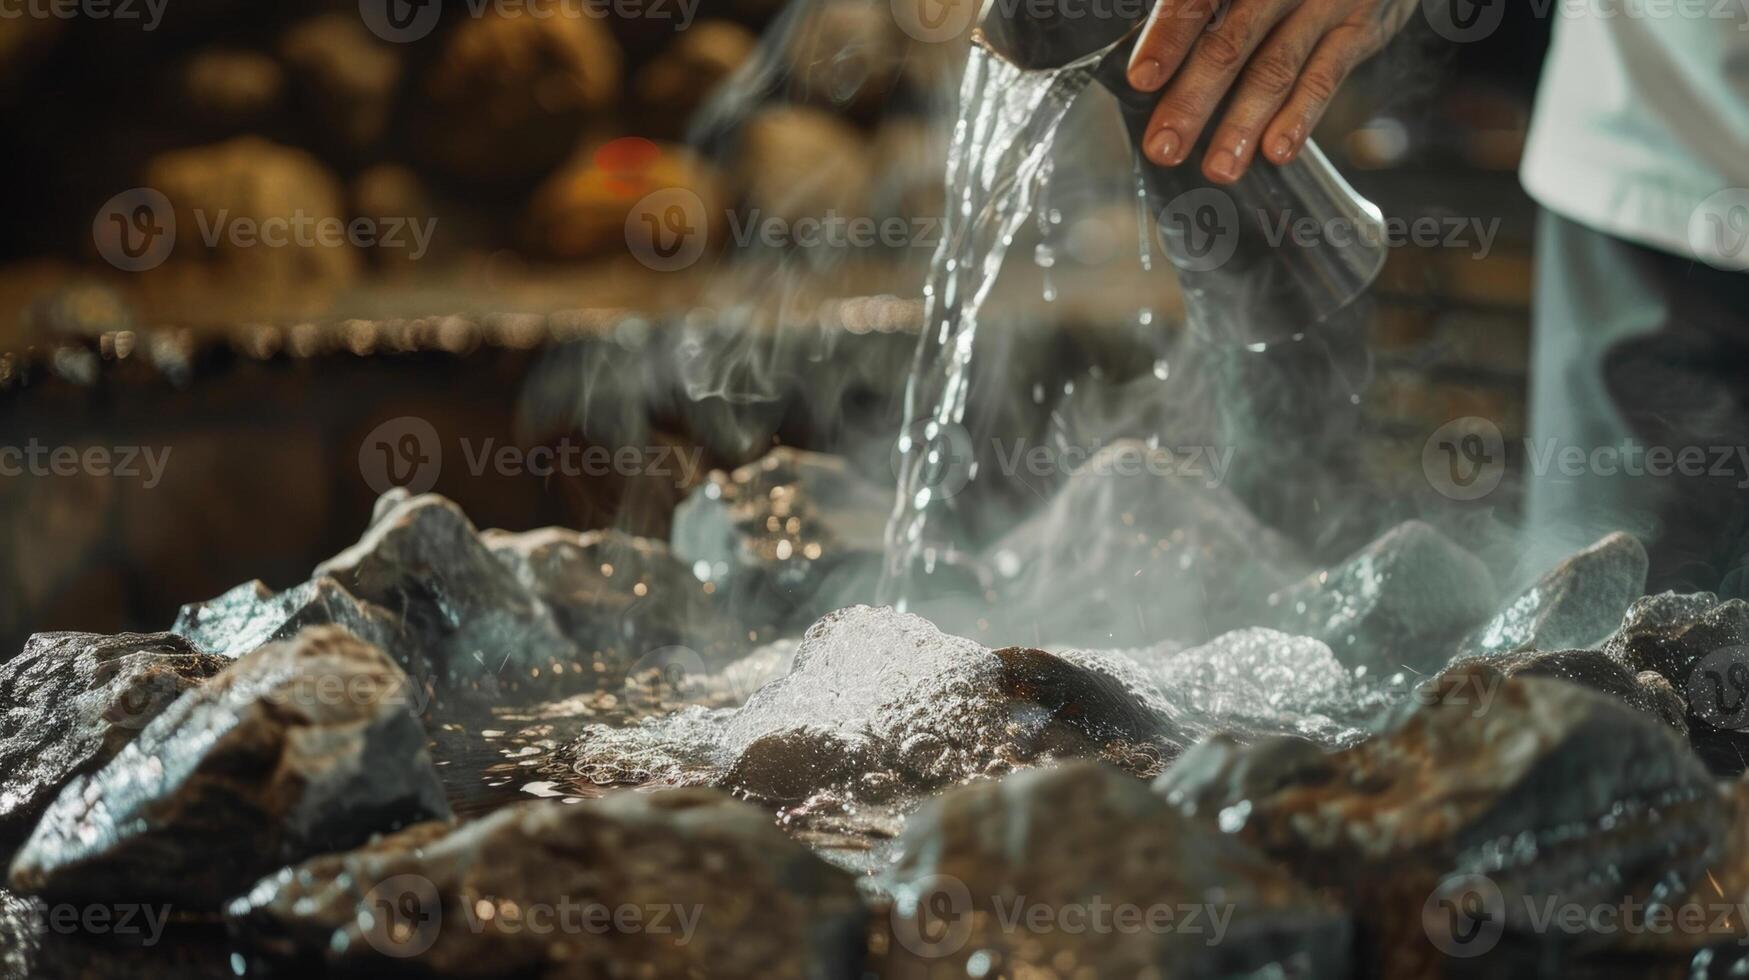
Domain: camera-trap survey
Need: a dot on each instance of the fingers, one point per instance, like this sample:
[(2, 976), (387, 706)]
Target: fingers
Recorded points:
[(1268, 81), (1172, 28), (1329, 66), (1214, 62)]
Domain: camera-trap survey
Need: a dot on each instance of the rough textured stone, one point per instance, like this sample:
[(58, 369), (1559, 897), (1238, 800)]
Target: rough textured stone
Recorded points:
[(590, 207), (875, 694), (1577, 605), (232, 86), (1258, 682), (252, 615), (679, 80), (1701, 645), (1129, 554), (1647, 691), (343, 76), (786, 539), (510, 93), (71, 701), (466, 902), (618, 597), (1084, 841), (1396, 605), (422, 559), (1532, 782), (298, 748), (249, 180)]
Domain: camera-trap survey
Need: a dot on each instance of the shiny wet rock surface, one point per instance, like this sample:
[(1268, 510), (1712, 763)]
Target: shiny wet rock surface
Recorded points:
[(1356, 771)]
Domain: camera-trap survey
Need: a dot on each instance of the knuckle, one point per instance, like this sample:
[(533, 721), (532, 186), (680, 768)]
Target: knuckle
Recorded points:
[(1180, 108), (1320, 83), (1221, 49), (1274, 73)]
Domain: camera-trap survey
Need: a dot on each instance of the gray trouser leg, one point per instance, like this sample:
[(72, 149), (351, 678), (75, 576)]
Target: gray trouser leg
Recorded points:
[(1640, 378)]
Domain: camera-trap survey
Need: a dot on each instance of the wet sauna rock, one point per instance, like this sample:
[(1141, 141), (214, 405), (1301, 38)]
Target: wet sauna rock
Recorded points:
[(481, 628), (301, 747), (785, 539), (1533, 782), (1396, 605), (1669, 632), (1256, 682), (878, 695), (70, 701), (1124, 886), (1130, 552), (1577, 605), (618, 597), (1702, 646), (716, 888), (252, 615), (1647, 691)]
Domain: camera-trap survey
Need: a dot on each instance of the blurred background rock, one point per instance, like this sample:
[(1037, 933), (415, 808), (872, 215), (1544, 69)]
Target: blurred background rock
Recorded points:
[(530, 140)]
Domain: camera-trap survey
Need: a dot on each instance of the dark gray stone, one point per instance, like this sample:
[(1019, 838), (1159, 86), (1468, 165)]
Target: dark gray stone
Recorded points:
[(785, 539), (873, 693), (619, 598), (70, 701), (1532, 782), (1646, 691), (470, 901), (300, 747), (1701, 645), (1576, 606), (482, 630), (252, 615), (1396, 605), (1075, 845)]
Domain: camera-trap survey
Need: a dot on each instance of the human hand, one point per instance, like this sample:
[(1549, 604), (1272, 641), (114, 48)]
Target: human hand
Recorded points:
[(1282, 61)]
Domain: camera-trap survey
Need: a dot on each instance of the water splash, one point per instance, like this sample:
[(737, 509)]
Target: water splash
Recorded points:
[(997, 165)]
